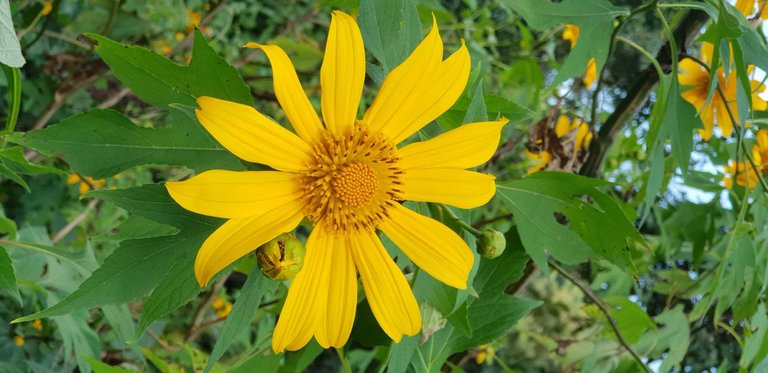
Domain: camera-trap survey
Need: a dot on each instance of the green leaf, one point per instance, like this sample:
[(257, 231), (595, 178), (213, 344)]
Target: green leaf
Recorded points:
[(7, 277), (594, 19), (99, 367), (14, 158), (10, 50), (630, 318), (254, 289), (391, 30), (598, 225), (159, 81), (758, 325), (136, 267), (669, 342), (102, 143), (177, 288), (13, 78), (476, 111), (490, 316)]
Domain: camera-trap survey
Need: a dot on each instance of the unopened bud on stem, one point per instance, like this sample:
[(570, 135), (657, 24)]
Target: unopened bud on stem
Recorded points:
[(491, 244), (281, 258)]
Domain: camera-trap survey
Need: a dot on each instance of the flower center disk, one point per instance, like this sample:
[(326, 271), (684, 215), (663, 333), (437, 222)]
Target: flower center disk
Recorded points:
[(351, 181), (355, 184)]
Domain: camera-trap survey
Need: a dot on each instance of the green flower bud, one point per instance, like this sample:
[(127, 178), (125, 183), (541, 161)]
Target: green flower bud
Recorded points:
[(491, 244), (281, 258)]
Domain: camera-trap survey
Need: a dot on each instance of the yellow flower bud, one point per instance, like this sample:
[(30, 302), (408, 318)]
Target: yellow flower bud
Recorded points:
[(491, 244), (19, 341), (281, 258), (37, 324)]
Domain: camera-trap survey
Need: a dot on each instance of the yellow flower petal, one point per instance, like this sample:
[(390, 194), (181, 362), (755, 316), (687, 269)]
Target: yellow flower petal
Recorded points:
[(299, 315), (238, 237), (723, 118), (388, 293), (343, 73), (230, 194), (563, 126), (431, 245), (336, 311), (463, 147), (543, 158), (590, 75), (290, 94), (251, 136), (419, 90), (460, 188), (322, 298)]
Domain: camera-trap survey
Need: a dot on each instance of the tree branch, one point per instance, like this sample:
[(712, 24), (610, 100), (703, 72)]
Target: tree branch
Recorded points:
[(638, 94), (599, 302)]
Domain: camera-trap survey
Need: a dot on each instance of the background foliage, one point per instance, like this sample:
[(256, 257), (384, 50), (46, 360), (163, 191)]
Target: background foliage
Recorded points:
[(629, 253)]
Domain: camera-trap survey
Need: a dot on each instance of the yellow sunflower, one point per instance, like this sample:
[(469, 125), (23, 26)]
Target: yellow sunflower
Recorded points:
[(696, 77), (571, 33), (348, 177)]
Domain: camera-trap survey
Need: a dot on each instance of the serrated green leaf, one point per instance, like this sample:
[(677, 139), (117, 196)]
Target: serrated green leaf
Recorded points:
[(176, 288), (7, 277), (102, 143), (159, 81), (596, 226), (391, 30), (594, 19), (254, 289), (136, 267), (10, 50)]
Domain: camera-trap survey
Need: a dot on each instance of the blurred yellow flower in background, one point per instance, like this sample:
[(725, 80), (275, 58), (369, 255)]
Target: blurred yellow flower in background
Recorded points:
[(86, 182), (697, 78), (747, 7), (571, 33)]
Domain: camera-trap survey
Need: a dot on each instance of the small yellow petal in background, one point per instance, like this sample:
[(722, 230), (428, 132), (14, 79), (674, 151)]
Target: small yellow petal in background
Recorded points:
[(430, 245), (290, 94), (232, 194), (466, 146), (563, 126), (343, 73), (571, 33), (590, 75), (542, 159), (336, 311), (460, 188), (419, 90), (388, 293), (251, 136), (238, 237), (723, 118)]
